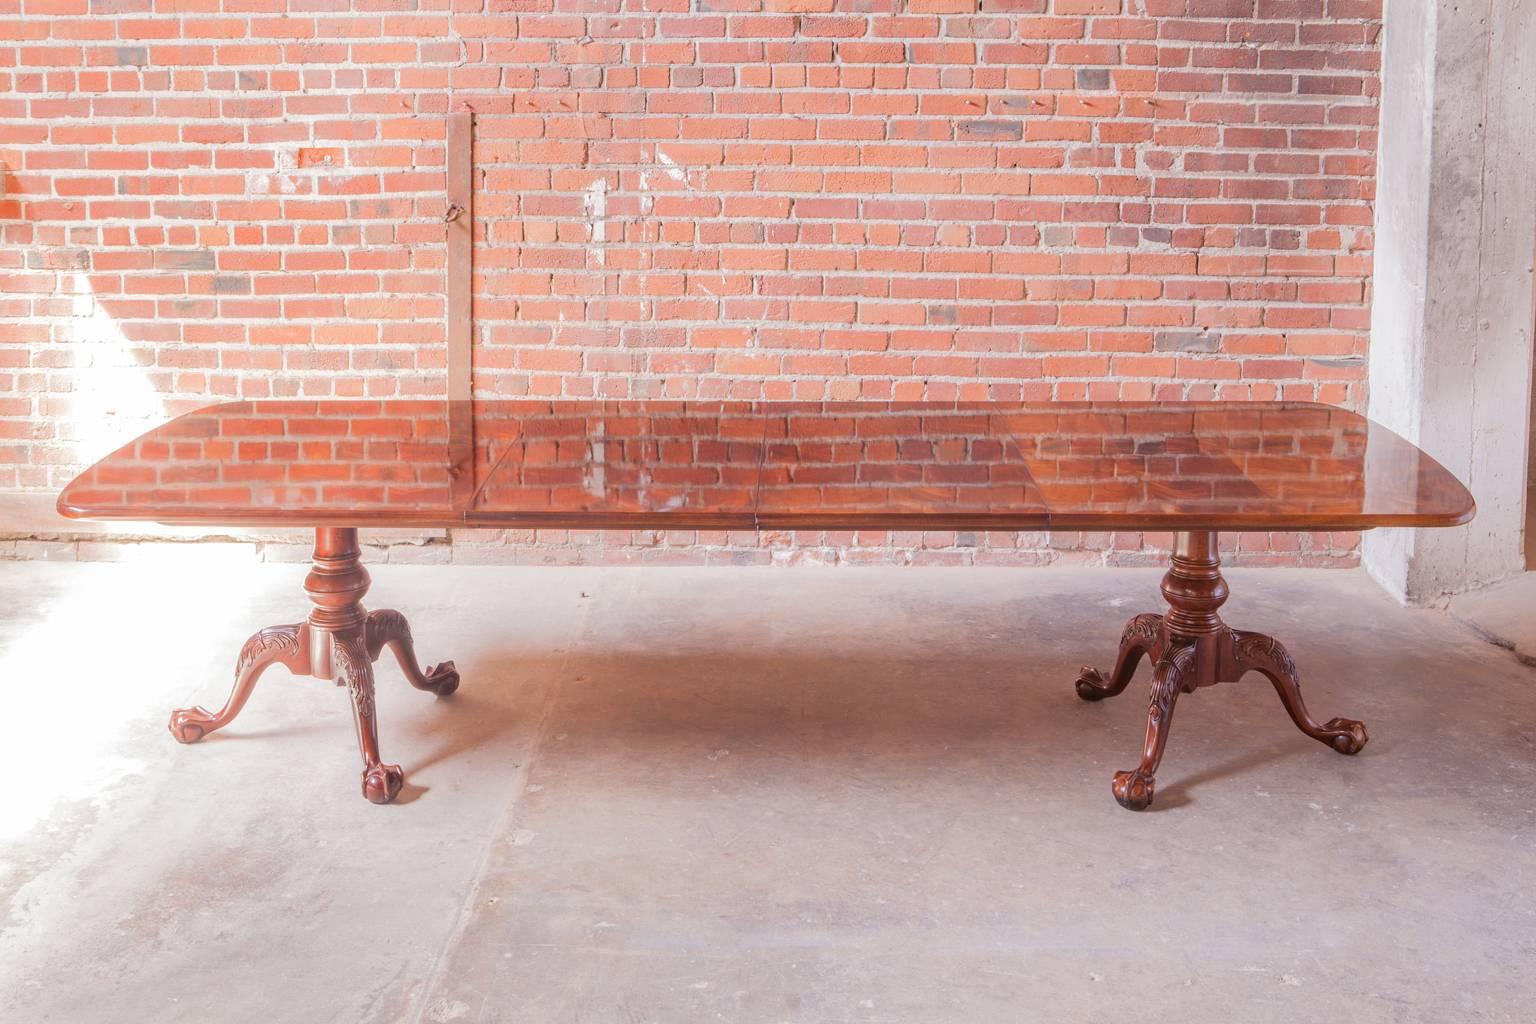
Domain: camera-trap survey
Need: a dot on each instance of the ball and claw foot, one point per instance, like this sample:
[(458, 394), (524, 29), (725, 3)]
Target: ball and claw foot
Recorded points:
[(443, 679), (1091, 684), (1347, 735), (1133, 790), (382, 782), (189, 725)]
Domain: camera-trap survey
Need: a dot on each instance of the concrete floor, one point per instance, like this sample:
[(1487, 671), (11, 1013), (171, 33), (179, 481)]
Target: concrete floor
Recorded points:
[(1504, 614), (754, 795)]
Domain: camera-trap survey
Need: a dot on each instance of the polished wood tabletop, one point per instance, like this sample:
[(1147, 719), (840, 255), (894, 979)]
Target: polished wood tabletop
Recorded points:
[(780, 465)]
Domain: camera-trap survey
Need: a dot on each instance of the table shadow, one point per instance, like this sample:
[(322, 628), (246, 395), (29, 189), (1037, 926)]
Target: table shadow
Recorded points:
[(880, 711)]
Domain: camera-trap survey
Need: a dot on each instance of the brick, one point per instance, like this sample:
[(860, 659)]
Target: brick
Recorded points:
[(1093, 78), (995, 130), (943, 6), (1187, 341)]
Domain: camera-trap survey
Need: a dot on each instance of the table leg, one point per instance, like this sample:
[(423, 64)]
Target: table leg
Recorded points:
[(340, 640), (1191, 647), (388, 628), (381, 782), (1143, 636), (273, 645)]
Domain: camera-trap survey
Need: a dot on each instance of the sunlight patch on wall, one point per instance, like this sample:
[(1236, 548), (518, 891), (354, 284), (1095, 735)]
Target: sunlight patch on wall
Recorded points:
[(113, 399)]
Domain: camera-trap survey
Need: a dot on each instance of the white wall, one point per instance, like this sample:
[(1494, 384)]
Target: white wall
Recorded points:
[(1452, 317)]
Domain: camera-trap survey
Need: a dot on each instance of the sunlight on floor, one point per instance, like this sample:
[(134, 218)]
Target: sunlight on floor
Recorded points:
[(78, 675)]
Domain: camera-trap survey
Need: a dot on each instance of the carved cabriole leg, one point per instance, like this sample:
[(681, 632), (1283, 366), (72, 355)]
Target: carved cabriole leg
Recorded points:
[(381, 782), (273, 645), (1260, 653), (388, 627), (1191, 647), (1143, 635), (1133, 789), (339, 641)]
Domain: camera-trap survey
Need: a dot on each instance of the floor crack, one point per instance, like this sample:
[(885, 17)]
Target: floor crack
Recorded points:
[(472, 897)]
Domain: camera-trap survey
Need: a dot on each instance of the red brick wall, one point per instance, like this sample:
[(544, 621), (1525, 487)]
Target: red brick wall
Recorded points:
[(743, 198)]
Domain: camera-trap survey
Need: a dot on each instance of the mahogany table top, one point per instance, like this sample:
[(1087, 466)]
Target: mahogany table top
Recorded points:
[(772, 465)]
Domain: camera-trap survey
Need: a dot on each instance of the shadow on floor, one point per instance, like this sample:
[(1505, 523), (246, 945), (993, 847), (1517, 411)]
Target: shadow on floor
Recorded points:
[(852, 714)]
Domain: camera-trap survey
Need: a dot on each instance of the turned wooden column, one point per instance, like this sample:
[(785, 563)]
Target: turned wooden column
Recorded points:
[(336, 584), (1195, 591)]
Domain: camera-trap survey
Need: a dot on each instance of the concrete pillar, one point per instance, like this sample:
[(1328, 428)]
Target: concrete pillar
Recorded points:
[(1452, 317)]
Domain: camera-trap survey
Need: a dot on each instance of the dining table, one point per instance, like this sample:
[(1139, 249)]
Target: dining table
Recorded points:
[(1185, 471)]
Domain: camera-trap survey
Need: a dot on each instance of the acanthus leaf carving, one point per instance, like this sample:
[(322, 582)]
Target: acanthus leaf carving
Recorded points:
[(355, 672), (274, 643), (1255, 649)]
